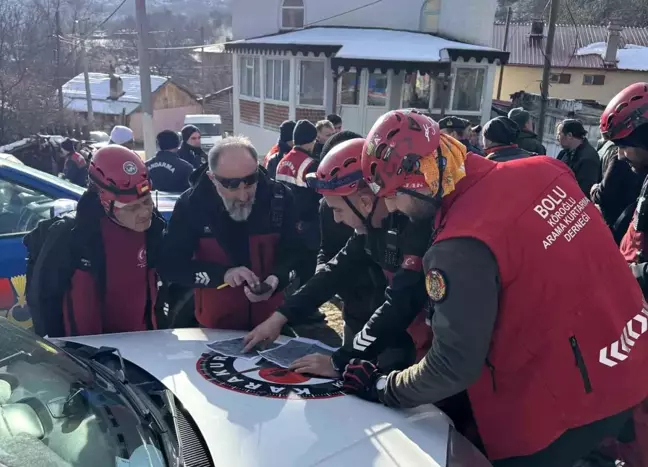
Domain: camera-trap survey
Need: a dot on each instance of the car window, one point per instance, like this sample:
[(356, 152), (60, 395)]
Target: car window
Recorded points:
[(21, 208)]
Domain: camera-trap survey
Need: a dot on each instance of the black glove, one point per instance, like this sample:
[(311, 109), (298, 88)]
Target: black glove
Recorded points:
[(360, 377)]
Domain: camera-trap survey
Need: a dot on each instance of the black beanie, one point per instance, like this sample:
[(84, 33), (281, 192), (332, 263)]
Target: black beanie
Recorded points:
[(168, 140), (336, 139), (305, 132), (286, 131), (187, 131), (501, 130)]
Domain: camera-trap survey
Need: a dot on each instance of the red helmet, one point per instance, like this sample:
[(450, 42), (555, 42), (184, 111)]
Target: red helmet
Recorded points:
[(119, 176), (340, 171), (393, 149), (624, 113)]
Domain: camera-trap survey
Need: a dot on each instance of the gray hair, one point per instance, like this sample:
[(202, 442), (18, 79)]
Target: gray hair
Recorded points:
[(324, 124), (231, 142)]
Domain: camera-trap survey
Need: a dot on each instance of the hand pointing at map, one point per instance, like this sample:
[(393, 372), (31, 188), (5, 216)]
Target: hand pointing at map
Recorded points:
[(268, 331)]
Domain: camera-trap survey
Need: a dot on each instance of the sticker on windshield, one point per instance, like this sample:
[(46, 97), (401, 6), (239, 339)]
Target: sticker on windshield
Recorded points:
[(263, 378)]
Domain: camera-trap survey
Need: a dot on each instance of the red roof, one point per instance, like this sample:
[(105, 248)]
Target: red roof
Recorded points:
[(569, 38)]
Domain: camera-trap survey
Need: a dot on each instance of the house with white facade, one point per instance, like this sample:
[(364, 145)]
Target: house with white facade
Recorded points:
[(304, 59)]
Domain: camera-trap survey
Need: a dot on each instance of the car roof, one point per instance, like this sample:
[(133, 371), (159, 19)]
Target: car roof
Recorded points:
[(41, 176)]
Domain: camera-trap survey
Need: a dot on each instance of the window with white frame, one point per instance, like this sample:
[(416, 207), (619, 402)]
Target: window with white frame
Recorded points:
[(277, 80), (249, 71), (350, 88), (468, 89), (422, 91), (292, 14), (311, 82), (430, 13)]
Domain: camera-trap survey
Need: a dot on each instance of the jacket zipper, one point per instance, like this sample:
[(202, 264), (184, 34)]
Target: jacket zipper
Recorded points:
[(491, 367), (580, 363)]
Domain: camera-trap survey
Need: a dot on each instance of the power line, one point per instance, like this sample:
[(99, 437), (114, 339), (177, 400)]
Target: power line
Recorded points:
[(107, 18)]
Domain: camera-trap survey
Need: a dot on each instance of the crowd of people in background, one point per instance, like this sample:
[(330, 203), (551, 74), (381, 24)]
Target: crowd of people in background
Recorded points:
[(473, 271)]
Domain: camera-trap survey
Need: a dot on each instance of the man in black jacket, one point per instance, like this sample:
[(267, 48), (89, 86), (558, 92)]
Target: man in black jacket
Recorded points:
[(394, 251), (167, 170), (283, 147), (233, 238), (500, 135), (579, 154), (190, 149), (527, 139), (95, 273)]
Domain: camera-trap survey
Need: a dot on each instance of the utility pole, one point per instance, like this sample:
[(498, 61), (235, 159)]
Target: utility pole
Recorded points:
[(86, 77), (202, 58), (553, 15), (59, 77), (509, 13), (145, 78)]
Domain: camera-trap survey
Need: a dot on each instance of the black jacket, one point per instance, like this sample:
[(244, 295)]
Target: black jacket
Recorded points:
[(56, 249), (168, 172), (194, 156), (404, 299), (275, 158), (585, 163), (507, 153), (201, 206), (528, 141), (618, 191)]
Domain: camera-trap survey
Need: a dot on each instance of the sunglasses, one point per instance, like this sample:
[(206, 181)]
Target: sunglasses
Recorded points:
[(234, 183)]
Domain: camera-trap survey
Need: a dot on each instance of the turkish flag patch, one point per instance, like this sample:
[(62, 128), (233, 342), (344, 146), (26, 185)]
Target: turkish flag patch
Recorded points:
[(411, 262), (436, 285)]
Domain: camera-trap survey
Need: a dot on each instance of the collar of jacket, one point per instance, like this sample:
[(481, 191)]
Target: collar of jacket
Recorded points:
[(300, 149), (494, 149)]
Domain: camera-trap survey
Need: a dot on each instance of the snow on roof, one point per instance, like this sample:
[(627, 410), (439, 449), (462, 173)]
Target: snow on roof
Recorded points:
[(74, 93), (631, 57), (371, 44)]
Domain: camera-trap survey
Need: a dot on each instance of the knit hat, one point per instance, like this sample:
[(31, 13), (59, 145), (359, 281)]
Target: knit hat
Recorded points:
[(187, 131), (501, 130), (68, 144), (121, 134), (168, 140), (305, 132), (286, 131), (519, 116)]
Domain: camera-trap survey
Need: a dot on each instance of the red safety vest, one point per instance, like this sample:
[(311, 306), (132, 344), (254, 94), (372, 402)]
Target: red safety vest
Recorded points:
[(632, 243), (294, 166), (229, 308), (568, 346), (273, 150)]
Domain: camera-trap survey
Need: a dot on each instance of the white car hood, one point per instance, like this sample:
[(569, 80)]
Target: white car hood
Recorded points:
[(243, 429)]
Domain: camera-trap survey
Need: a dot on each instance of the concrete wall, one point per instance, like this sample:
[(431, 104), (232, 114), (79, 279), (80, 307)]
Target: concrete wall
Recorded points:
[(464, 20), (519, 78)]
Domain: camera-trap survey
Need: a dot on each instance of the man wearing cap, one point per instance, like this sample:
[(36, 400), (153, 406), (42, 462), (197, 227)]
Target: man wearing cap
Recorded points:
[(500, 135), (292, 170), (279, 150), (95, 273), (76, 167), (458, 129), (527, 139), (168, 172), (190, 151), (123, 136), (579, 154)]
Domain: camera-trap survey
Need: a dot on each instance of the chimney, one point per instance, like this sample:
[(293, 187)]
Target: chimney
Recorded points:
[(612, 44), (116, 85)]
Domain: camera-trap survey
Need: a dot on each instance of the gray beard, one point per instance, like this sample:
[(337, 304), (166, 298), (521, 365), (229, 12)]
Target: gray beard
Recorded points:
[(238, 211)]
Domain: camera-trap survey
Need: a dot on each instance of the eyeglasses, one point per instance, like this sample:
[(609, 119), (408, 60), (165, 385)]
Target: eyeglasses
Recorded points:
[(234, 183)]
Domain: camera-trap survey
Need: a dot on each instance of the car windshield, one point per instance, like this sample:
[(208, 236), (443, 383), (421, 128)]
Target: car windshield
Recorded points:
[(55, 411), (208, 129)]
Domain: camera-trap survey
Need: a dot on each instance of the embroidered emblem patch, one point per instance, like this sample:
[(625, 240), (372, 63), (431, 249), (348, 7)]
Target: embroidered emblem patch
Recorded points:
[(436, 285)]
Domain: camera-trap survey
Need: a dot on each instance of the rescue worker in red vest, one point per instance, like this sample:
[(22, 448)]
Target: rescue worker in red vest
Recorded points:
[(370, 333), (292, 170), (232, 237), (75, 168), (500, 135), (283, 147), (95, 273), (532, 303), (625, 122)]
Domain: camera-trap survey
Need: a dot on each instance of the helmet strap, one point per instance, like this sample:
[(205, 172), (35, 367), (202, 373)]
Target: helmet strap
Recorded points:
[(365, 220)]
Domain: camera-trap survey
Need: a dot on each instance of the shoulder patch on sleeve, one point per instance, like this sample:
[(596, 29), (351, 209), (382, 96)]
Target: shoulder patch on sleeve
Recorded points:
[(436, 285), (412, 262)]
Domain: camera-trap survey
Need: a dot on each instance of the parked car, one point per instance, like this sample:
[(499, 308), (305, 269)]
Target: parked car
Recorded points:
[(28, 196), (163, 398)]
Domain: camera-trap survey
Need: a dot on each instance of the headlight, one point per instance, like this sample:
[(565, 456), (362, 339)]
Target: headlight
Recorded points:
[(462, 453)]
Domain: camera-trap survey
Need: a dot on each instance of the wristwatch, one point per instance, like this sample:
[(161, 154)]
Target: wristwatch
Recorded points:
[(381, 383)]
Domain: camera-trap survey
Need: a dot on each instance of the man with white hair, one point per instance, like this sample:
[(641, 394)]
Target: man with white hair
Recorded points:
[(122, 135), (233, 238)]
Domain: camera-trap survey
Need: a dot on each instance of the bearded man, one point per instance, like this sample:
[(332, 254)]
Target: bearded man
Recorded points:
[(233, 238)]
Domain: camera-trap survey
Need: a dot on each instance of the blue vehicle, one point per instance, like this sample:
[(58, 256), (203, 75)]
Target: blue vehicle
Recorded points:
[(28, 196)]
